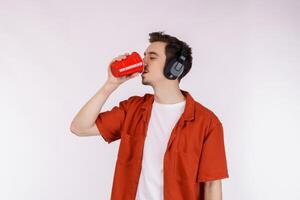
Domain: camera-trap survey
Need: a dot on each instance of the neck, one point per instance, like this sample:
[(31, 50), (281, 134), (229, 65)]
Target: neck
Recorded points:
[(168, 94)]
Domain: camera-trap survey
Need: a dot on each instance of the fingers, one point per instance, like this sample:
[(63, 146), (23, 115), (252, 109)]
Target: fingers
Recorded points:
[(133, 75)]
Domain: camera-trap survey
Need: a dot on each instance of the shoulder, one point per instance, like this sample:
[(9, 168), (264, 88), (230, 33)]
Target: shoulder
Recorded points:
[(135, 100), (207, 115)]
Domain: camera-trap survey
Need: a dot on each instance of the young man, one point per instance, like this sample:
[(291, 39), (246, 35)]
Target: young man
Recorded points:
[(171, 146)]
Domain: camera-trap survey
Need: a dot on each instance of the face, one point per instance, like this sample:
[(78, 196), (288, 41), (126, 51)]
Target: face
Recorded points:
[(154, 62)]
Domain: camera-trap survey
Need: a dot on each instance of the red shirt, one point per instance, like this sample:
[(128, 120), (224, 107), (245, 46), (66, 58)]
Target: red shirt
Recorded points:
[(195, 152)]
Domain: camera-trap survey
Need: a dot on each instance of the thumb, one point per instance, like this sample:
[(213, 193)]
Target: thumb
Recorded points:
[(133, 75)]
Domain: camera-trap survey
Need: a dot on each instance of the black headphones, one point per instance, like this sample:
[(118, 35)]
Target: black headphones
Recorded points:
[(174, 68)]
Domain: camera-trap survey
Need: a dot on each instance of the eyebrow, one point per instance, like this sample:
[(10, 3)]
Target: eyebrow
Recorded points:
[(152, 52)]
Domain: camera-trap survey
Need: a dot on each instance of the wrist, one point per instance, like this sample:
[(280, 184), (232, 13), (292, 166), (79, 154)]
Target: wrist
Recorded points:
[(110, 86)]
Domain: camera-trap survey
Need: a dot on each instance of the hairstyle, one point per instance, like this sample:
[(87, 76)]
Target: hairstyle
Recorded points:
[(173, 49)]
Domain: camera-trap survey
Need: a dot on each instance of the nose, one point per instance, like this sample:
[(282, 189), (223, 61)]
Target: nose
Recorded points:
[(144, 62)]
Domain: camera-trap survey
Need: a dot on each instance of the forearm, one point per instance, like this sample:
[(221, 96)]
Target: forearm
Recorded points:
[(87, 115), (213, 190)]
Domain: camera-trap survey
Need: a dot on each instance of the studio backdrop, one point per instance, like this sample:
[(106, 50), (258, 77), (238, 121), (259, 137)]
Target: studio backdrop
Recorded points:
[(54, 57)]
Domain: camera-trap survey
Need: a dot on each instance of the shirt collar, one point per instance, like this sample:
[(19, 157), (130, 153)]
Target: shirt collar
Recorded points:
[(188, 113)]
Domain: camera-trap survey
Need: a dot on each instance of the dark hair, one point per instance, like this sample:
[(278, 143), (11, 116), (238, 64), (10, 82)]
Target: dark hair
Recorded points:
[(173, 49)]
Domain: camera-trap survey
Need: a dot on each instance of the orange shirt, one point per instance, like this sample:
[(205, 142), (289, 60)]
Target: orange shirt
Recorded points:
[(195, 152)]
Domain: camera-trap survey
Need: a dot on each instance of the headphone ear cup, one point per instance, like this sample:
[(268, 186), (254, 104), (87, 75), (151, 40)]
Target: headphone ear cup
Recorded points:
[(167, 69)]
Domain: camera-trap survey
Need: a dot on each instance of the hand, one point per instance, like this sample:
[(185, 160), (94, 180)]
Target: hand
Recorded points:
[(119, 80)]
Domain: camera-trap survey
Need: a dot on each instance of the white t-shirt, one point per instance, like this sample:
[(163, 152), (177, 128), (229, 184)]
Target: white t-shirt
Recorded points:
[(162, 121)]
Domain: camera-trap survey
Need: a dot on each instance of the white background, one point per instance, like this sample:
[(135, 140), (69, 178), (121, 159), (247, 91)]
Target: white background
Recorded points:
[(54, 57)]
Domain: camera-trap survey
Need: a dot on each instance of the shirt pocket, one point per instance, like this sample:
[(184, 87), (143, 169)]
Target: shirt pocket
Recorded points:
[(185, 166), (129, 149)]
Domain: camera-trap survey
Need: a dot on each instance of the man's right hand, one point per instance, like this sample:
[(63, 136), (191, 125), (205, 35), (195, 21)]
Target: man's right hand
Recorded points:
[(119, 80), (83, 123)]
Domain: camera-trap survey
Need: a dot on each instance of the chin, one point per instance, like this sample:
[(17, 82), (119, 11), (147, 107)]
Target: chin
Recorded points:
[(144, 82)]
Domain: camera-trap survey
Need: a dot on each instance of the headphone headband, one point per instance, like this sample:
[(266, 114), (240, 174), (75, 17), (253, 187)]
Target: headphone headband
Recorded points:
[(183, 54)]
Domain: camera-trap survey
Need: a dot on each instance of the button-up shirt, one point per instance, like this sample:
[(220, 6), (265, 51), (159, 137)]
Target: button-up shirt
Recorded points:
[(195, 152)]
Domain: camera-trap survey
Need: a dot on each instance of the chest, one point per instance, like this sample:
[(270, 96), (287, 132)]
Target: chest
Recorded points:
[(178, 140)]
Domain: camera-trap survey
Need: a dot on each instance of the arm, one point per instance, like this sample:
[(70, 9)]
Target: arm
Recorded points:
[(213, 190), (83, 123)]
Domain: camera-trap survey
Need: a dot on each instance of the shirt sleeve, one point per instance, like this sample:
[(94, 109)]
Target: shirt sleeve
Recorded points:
[(109, 123), (212, 164)]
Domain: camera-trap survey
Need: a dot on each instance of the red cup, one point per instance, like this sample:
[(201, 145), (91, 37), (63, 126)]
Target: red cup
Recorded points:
[(131, 64)]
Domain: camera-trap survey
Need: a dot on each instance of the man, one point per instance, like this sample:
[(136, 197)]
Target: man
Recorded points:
[(171, 146)]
